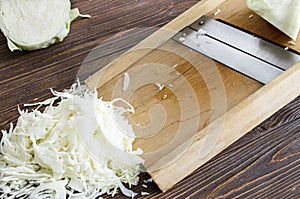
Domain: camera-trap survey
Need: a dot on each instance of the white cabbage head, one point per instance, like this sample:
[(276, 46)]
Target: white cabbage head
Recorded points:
[(35, 24)]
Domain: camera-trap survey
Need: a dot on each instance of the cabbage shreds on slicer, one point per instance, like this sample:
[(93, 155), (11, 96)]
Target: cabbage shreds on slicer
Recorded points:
[(78, 147)]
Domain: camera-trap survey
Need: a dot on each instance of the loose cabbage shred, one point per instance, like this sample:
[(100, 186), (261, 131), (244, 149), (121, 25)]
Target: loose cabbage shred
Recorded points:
[(78, 147)]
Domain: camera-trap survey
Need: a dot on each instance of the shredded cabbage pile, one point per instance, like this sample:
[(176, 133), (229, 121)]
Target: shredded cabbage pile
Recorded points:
[(78, 147)]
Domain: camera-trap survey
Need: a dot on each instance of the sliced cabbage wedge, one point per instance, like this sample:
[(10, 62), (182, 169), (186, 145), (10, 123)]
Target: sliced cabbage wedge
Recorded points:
[(35, 24), (283, 14)]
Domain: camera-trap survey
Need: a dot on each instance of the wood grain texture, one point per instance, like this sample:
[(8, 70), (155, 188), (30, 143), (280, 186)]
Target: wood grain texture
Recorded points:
[(263, 164), (216, 89)]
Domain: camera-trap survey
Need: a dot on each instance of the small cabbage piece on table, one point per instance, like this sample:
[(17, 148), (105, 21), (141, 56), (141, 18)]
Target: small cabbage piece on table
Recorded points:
[(78, 147), (35, 24), (283, 14)]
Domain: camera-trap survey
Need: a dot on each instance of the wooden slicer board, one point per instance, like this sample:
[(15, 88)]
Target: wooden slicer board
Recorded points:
[(204, 106)]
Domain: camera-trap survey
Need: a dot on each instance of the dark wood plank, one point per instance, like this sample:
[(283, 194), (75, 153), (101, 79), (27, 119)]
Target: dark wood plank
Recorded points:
[(263, 164)]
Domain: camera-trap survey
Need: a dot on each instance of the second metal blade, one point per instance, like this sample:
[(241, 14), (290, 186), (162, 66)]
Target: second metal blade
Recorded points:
[(252, 56)]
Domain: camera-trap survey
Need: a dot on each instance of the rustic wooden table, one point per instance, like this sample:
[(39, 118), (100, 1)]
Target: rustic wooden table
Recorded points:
[(263, 164)]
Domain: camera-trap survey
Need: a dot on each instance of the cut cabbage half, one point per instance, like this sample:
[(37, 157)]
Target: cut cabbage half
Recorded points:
[(35, 24), (283, 14)]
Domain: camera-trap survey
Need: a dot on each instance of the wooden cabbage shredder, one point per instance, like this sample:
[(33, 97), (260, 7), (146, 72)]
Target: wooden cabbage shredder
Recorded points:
[(199, 84)]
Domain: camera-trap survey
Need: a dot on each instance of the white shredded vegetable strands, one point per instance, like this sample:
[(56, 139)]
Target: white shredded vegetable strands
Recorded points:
[(35, 24), (159, 86), (55, 153), (126, 82), (283, 14), (143, 193)]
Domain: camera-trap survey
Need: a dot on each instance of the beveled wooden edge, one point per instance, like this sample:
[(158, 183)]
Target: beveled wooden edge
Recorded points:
[(238, 122)]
